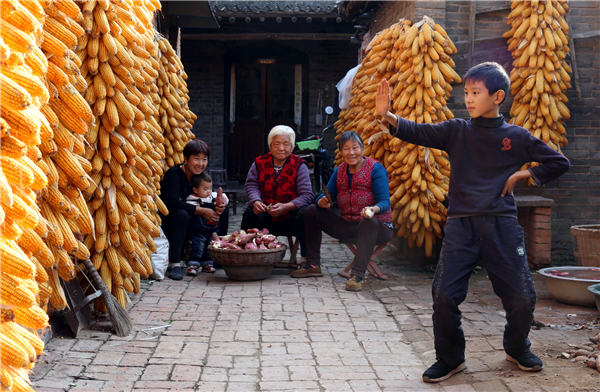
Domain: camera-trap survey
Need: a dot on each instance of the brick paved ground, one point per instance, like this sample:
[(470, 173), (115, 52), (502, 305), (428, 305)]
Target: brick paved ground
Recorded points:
[(281, 334)]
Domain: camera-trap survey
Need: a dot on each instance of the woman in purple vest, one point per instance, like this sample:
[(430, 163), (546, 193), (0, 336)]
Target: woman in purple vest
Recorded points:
[(278, 188), (360, 187)]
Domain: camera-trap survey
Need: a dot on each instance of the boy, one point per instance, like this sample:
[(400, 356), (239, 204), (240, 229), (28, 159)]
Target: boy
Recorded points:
[(485, 155), (201, 230)]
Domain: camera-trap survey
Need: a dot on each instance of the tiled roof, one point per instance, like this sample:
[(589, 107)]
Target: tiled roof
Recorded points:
[(273, 8)]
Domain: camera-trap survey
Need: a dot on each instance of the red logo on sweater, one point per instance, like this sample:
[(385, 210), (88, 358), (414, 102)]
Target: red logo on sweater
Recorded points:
[(506, 144)]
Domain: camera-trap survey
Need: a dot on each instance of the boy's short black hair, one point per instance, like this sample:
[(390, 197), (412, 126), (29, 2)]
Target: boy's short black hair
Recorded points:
[(198, 178), (492, 75), (195, 147)]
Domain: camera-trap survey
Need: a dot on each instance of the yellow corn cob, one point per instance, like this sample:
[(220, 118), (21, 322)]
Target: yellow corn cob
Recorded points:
[(10, 330), (59, 31), (57, 295), (12, 147), (13, 261), (24, 124), (17, 15), (57, 76), (6, 380), (16, 39), (69, 118), (16, 171), (12, 95), (51, 45), (11, 354), (31, 83), (41, 276), (71, 97), (65, 267), (33, 317), (70, 242), (15, 292), (66, 161), (39, 177)]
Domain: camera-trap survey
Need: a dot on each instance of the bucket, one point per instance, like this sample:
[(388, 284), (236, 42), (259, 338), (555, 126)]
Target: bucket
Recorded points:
[(587, 244)]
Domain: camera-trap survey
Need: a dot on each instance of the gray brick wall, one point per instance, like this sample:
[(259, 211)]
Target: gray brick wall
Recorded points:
[(577, 193)]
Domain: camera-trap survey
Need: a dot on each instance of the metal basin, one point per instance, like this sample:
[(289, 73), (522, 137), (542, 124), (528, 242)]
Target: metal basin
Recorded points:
[(247, 264), (595, 290), (570, 284)]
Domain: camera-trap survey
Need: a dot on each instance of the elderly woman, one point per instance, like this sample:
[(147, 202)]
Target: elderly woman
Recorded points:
[(278, 188), (360, 187), (175, 188)]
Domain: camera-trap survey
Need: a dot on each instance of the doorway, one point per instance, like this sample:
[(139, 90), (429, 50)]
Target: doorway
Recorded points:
[(265, 89)]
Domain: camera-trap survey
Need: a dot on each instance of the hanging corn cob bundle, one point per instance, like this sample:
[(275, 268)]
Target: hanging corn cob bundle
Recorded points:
[(538, 40), (62, 202), (126, 144), (176, 118), (23, 128), (378, 64), (419, 69)]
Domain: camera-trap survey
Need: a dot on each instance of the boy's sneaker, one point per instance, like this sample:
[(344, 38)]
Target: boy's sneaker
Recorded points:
[(175, 273), (208, 268), (307, 271), (354, 283), (526, 361), (439, 371), (192, 270)]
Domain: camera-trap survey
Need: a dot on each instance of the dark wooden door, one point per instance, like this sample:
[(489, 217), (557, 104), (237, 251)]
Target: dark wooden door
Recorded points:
[(264, 97)]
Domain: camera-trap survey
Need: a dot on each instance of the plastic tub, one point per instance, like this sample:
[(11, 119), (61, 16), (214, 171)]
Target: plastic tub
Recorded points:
[(570, 284)]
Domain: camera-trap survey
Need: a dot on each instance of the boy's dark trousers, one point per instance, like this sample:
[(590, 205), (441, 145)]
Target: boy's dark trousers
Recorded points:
[(498, 241), (200, 234)]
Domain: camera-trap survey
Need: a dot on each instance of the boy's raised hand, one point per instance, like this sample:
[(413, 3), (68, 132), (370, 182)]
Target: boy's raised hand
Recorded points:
[(382, 99)]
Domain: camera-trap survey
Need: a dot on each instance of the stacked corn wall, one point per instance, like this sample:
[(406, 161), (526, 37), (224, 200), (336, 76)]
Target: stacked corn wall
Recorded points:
[(176, 118), (415, 59), (62, 202), (23, 128), (119, 62), (538, 41)]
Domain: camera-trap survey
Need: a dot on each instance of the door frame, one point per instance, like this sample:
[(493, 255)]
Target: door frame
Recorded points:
[(249, 53)]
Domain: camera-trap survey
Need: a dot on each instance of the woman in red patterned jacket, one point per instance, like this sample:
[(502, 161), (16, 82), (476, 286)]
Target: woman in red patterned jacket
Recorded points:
[(278, 188), (360, 187)]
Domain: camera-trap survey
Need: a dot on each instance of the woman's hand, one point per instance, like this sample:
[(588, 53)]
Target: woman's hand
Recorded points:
[(324, 203), (207, 213), (279, 209), (369, 212), (259, 207), (509, 186), (219, 208)]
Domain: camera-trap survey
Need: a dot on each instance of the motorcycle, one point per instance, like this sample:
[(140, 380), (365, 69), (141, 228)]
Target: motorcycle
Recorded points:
[(317, 157)]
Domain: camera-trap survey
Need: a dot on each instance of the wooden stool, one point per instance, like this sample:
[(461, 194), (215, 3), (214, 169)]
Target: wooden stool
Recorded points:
[(371, 267), (293, 246)]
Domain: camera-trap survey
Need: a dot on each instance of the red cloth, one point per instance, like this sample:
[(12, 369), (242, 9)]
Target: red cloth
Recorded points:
[(352, 198)]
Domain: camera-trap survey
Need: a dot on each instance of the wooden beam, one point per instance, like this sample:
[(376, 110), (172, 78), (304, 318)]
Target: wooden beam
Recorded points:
[(586, 34), (268, 36), (496, 6), (472, 16)]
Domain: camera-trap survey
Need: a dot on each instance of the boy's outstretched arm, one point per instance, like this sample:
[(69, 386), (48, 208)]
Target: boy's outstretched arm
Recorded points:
[(428, 135)]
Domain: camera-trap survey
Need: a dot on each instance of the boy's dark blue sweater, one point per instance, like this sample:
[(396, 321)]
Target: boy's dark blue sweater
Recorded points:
[(483, 154)]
